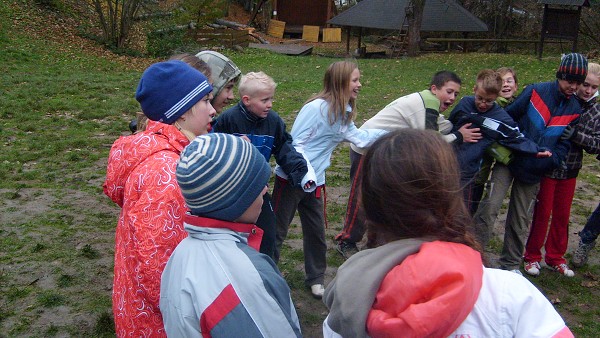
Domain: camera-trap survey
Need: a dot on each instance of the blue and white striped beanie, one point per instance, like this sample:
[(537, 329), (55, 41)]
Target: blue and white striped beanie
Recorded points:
[(221, 175), (169, 89)]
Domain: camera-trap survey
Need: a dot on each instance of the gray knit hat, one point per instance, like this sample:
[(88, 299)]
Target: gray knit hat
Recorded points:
[(221, 175), (573, 67), (222, 69)]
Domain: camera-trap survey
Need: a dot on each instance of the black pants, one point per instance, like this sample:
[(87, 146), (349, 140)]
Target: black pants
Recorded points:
[(266, 221)]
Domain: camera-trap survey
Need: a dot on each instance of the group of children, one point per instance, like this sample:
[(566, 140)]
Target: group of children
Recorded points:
[(185, 174)]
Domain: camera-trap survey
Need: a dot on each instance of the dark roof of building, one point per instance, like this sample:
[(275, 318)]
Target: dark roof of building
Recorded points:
[(566, 2), (438, 16)]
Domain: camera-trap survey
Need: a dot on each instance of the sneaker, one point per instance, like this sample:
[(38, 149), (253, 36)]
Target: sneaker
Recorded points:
[(580, 257), (346, 249), (532, 268), (563, 269), (317, 290), (517, 271)]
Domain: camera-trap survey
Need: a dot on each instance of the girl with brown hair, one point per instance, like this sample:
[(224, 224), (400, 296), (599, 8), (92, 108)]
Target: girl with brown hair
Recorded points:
[(426, 278)]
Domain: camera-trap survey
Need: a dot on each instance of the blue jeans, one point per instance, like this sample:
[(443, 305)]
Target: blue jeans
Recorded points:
[(592, 228)]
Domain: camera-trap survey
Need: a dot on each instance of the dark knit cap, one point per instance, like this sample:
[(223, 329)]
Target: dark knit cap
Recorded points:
[(573, 67), (169, 89), (221, 175)]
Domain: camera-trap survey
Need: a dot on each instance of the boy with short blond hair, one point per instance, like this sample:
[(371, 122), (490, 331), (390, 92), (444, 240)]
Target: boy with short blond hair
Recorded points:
[(253, 118), (482, 110)]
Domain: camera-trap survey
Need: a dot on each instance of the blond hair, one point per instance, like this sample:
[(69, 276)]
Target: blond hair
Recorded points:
[(594, 68), (254, 82), (336, 92), (508, 70)]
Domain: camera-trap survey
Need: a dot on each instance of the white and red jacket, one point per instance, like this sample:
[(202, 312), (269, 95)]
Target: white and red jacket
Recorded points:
[(434, 289), (216, 284)]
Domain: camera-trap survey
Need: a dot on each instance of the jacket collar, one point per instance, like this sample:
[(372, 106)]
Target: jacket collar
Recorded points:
[(251, 232), (248, 114)]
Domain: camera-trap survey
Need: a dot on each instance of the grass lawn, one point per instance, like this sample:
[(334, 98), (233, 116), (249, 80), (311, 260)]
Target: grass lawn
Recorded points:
[(64, 100)]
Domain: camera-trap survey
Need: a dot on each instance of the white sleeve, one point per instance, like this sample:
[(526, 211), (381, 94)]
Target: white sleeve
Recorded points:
[(362, 137)]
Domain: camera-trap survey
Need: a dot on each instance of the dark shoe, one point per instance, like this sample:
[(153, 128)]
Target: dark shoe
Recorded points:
[(580, 257), (346, 249)]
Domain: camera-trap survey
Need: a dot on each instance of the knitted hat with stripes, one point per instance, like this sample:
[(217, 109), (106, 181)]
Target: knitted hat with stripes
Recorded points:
[(573, 67), (169, 89), (221, 175)]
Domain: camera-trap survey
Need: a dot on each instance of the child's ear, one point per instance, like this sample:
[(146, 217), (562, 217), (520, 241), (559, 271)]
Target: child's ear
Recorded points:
[(474, 89), (245, 99)]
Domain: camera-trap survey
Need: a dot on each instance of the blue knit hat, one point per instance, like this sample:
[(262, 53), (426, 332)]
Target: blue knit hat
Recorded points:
[(573, 67), (169, 89), (221, 175)]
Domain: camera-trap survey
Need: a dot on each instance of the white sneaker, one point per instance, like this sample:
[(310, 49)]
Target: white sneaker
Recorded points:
[(517, 271), (532, 268), (317, 290)]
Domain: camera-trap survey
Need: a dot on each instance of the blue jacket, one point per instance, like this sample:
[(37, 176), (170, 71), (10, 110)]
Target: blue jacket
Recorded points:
[(268, 135), (542, 113), (495, 125)]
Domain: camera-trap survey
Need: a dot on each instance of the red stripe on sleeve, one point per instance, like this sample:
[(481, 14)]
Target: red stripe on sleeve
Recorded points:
[(562, 120), (220, 307), (540, 106)]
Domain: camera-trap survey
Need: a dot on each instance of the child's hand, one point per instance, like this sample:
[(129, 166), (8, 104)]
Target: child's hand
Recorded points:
[(543, 154), (470, 135), (245, 138)]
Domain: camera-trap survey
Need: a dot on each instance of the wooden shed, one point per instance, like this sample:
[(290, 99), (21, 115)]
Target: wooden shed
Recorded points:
[(297, 13)]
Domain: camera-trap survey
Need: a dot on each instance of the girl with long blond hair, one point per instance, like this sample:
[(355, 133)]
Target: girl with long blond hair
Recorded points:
[(324, 121)]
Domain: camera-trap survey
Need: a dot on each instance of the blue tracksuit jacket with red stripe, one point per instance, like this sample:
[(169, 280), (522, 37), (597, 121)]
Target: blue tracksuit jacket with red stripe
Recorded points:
[(542, 112)]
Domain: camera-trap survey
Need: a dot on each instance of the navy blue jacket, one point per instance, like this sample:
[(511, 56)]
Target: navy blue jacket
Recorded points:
[(268, 135), (495, 125), (542, 112)]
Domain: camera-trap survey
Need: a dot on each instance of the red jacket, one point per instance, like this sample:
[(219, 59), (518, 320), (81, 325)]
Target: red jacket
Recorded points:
[(140, 178)]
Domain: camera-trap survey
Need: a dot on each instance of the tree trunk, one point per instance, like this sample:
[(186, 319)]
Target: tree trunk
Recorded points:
[(414, 14)]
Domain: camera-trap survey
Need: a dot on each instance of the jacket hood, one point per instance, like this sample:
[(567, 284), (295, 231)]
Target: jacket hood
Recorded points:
[(419, 289), (129, 151), (431, 304)]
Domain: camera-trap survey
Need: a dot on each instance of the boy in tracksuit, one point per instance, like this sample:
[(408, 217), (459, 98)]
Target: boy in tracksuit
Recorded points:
[(253, 119), (482, 111), (542, 112)]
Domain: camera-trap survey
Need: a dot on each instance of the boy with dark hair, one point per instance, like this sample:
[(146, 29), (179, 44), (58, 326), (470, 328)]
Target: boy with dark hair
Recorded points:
[(254, 119), (216, 283), (421, 110), (542, 112), (482, 111)]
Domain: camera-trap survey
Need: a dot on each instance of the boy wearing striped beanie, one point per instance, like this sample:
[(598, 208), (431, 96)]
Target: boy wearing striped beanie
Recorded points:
[(216, 283)]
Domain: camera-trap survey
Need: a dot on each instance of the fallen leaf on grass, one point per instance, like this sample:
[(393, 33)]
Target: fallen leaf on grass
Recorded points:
[(589, 284), (555, 301)]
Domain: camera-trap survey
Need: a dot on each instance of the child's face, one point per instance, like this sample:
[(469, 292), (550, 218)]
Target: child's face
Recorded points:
[(224, 97), (447, 94), (251, 214), (568, 88), (509, 86), (355, 83), (483, 100), (198, 119), (589, 87), (260, 102)]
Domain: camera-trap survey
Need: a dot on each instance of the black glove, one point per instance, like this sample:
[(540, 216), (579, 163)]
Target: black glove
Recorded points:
[(568, 133)]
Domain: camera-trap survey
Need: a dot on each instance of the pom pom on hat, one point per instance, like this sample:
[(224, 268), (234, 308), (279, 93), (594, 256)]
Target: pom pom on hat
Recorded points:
[(221, 175), (169, 89), (573, 67)]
